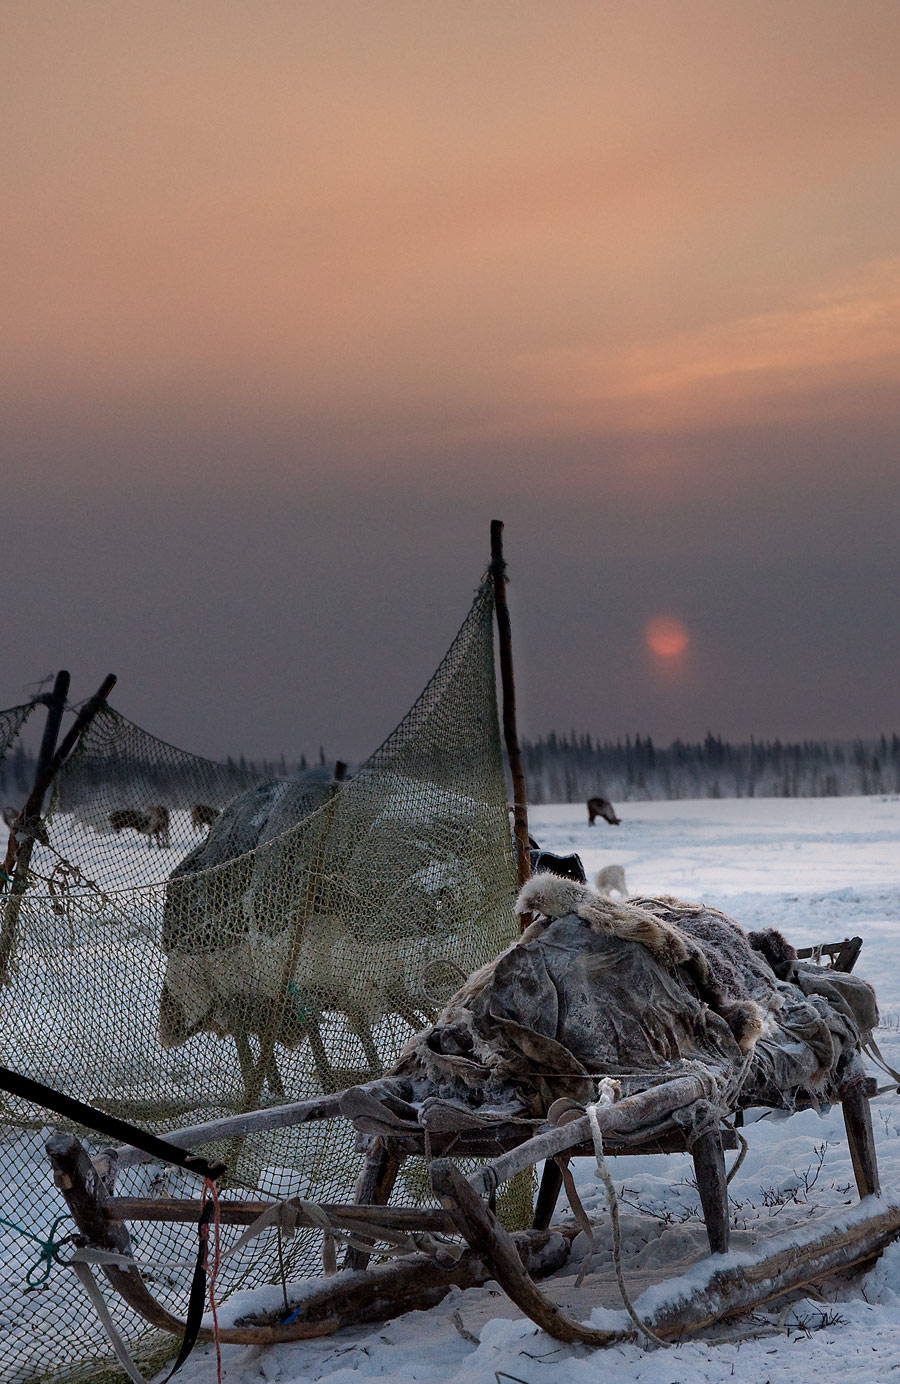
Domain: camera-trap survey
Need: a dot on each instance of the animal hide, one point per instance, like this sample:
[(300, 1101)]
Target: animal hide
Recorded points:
[(634, 991)]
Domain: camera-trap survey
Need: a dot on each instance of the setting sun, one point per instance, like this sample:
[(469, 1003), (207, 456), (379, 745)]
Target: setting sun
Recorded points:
[(666, 636)]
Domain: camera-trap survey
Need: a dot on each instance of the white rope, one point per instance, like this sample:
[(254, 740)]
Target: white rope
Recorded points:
[(613, 1203)]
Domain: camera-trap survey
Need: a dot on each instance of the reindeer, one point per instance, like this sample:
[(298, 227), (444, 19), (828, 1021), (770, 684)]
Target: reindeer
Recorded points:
[(203, 816), (611, 880), (158, 829), (154, 823), (129, 819), (600, 807)]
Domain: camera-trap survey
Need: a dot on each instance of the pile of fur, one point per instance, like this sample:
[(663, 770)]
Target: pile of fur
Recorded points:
[(633, 990)]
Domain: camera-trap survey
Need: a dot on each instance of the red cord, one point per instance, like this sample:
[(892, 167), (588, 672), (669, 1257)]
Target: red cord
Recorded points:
[(210, 1190)]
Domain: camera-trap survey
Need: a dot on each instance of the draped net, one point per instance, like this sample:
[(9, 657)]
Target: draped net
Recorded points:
[(172, 970)]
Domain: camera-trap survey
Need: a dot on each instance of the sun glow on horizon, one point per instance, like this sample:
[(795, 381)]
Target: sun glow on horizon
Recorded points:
[(666, 636)]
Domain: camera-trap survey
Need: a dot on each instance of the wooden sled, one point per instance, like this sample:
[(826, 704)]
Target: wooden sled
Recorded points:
[(463, 1243)]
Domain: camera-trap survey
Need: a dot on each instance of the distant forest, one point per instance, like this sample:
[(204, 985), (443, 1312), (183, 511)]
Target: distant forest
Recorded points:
[(173, 779), (572, 768)]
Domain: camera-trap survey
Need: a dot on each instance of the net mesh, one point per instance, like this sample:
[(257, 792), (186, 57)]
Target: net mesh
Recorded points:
[(11, 722), (175, 971)]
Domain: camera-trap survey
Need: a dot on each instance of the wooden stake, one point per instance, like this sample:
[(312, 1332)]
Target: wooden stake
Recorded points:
[(373, 1187), (858, 1124), (508, 689), (18, 853), (50, 761), (712, 1184), (29, 817)]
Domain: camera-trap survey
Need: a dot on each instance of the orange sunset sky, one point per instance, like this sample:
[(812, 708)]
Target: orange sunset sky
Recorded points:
[(298, 296)]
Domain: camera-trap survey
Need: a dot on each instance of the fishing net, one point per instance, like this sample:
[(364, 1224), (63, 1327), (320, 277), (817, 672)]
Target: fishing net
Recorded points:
[(11, 722), (177, 971)]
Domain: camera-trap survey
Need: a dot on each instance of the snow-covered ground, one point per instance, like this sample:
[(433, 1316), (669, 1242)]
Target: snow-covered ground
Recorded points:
[(820, 870)]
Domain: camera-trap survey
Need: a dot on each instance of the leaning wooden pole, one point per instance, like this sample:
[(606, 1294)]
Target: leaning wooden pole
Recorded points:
[(28, 818), (28, 823), (508, 693), (50, 761)]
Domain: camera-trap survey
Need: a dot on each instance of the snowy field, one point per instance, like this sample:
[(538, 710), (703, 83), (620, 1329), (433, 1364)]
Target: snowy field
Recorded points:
[(820, 870)]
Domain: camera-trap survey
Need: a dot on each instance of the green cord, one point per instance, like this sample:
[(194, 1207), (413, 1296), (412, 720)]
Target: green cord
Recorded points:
[(48, 1248)]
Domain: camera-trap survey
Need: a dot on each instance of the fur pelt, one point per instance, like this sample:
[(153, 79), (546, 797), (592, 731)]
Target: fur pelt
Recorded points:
[(555, 898), (669, 939), (776, 948)]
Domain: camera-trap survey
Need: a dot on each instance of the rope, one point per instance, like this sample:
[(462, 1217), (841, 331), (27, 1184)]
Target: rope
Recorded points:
[(612, 1201), (49, 1247), (741, 1155), (210, 1191)]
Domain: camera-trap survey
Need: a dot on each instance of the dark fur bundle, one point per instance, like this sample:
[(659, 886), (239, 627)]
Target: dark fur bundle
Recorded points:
[(776, 949)]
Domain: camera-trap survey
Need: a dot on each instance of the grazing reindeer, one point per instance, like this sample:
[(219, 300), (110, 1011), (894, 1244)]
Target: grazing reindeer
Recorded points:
[(599, 807), (203, 816), (129, 819), (154, 823), (158, 829)]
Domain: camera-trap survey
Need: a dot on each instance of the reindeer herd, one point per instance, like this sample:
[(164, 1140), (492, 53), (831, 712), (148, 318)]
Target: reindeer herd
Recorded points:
[(154, 822)]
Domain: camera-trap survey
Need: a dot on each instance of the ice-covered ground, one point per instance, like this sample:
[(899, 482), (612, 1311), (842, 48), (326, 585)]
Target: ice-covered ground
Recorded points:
[(820, 870)]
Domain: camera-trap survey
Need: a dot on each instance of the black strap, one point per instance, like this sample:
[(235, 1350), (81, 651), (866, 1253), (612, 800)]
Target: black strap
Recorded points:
[(197, 1299), (39, 1094), (80, 1113)]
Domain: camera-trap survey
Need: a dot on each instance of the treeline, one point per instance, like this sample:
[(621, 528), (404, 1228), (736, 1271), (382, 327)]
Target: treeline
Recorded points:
[(177, 781), (560, 768), (573, 768)]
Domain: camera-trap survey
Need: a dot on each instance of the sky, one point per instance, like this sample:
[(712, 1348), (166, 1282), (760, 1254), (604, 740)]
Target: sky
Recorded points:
[(298, 296)]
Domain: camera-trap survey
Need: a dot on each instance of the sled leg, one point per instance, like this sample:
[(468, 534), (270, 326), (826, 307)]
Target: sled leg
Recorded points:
[(273, 1077), (313, 1032), (858, 1124), (548, 1194), (245, 1058), (709, 1170), (486, 1236), (364, 1034), (376, 1182)]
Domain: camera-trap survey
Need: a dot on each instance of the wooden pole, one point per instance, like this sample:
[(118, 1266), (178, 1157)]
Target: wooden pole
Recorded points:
[(252, 1122), (50, 761), (18, 852), (642, 1110), (508, 690), (28, 818)]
